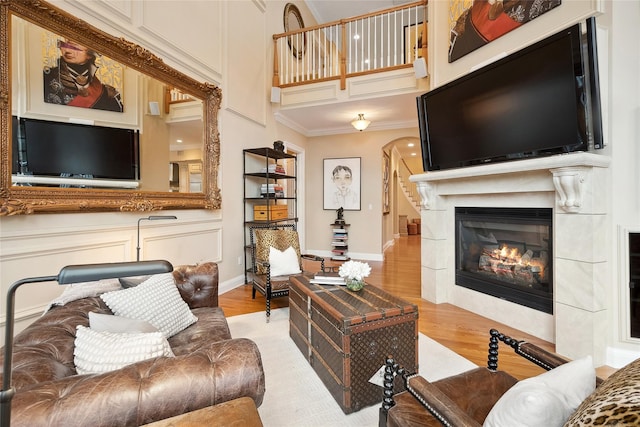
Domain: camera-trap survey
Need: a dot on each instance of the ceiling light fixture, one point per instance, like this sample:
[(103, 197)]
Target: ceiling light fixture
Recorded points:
[(360, 123)]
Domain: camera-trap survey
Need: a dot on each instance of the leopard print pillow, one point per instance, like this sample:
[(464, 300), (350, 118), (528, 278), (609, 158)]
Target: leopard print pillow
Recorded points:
[(615, 402), (279, 239)]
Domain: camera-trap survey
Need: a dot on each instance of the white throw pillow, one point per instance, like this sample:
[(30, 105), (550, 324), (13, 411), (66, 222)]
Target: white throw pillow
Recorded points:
[(97, 352), (283, 263), (118, 324), (77, 291), (157, 301), (546, 400)]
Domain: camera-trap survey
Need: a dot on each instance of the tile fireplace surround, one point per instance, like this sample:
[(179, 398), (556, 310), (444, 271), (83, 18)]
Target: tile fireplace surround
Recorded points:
[(574, 185)]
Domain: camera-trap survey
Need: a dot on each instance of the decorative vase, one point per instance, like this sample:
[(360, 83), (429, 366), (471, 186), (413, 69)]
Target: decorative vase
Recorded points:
[(355, 285)]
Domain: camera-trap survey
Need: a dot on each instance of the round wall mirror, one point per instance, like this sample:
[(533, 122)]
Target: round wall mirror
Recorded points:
[(292, 22)]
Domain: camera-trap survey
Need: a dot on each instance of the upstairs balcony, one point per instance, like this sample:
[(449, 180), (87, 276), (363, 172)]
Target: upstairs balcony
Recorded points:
[(352, 65)]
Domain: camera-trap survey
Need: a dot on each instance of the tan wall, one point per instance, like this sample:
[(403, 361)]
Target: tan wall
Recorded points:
[(414, 164), (154, 144), (366, 231)]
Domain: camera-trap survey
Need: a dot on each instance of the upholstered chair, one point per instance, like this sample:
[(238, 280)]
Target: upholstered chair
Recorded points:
[(275, 257)]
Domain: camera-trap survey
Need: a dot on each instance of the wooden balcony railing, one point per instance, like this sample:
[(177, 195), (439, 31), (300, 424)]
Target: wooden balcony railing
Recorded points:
[(174, 96), (382, 41)]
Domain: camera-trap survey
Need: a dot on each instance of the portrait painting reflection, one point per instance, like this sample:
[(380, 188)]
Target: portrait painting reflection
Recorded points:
[(73, 81)]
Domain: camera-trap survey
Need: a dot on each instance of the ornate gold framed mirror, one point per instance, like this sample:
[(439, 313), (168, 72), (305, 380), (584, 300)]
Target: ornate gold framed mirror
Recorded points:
[(292, 22), (146, 79)]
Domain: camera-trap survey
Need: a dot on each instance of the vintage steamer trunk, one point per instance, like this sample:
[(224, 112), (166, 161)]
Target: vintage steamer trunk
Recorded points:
[(346, 336)]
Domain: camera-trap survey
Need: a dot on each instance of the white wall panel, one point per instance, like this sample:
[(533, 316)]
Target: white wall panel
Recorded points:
[(191, 27), (40, 245), (191, 247), (245, 79), (31, 299), (122, 9), (185, 34)]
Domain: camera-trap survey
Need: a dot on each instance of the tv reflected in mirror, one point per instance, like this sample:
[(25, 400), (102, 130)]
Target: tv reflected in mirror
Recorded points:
[(69, 150)]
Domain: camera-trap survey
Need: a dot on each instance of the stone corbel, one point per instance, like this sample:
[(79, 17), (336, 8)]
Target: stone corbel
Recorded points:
[(569, 184), (426, 194)]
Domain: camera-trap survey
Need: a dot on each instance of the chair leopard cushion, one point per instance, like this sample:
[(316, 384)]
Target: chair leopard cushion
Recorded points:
[(279, 239), (615, 402)]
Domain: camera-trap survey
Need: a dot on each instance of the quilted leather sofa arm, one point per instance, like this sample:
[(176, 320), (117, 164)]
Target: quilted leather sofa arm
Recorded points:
[(146, 391)]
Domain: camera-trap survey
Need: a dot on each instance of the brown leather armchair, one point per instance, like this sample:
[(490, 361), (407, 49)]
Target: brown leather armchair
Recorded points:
[(462, 400), (209, 368)]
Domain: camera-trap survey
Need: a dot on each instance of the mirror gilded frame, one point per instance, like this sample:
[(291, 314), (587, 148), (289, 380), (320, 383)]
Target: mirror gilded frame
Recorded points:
[(16, 200)]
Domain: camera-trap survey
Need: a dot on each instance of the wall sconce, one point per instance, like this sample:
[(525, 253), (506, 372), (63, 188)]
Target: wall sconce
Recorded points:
[(360, 123), (150, 218), (69, 274)]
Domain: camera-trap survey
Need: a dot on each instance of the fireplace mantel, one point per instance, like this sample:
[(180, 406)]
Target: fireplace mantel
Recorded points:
[(568, 176), (574, 185), (525, 165)]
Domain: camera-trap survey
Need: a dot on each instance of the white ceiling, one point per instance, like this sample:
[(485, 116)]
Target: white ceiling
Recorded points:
[(333, 10), (390, 112)]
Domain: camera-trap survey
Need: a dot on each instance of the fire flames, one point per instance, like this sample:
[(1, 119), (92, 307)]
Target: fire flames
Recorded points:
[(510, 263)]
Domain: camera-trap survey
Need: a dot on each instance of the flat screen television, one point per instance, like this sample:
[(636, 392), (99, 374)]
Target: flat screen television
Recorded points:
[(541, 100), (58, 149)]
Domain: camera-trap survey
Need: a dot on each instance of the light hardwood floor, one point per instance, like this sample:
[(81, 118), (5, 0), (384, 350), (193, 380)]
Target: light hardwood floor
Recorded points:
[(460, 330)]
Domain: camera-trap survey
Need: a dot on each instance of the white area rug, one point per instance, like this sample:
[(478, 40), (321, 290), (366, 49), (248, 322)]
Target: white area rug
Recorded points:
[(295, 395)]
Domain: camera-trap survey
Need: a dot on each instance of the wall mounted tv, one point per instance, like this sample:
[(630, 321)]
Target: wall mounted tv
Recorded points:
[(539, 101), (59, 149)]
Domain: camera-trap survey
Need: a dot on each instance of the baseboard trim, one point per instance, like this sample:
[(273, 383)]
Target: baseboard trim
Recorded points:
[(229, 285), (353, 255)]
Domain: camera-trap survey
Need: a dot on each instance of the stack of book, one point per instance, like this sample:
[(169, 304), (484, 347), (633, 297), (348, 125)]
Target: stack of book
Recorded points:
[(339, 255), (339, 243), (323, 278), (271, 190), (274, 168)]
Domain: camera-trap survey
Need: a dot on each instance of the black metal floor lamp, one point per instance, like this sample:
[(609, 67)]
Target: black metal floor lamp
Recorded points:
[(150, 218), (68, 275)]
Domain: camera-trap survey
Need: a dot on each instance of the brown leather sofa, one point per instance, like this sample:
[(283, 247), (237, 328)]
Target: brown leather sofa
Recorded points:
[(209, 368)]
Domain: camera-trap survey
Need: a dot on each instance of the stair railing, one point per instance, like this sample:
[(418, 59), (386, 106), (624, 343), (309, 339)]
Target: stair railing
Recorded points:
[(410, 188), (385, 40)]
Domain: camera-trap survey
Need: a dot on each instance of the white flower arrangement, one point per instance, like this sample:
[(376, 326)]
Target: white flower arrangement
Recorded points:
[(354, 270)]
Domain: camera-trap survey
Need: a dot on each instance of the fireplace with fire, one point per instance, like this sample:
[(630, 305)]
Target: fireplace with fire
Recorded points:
[(506, 253)]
